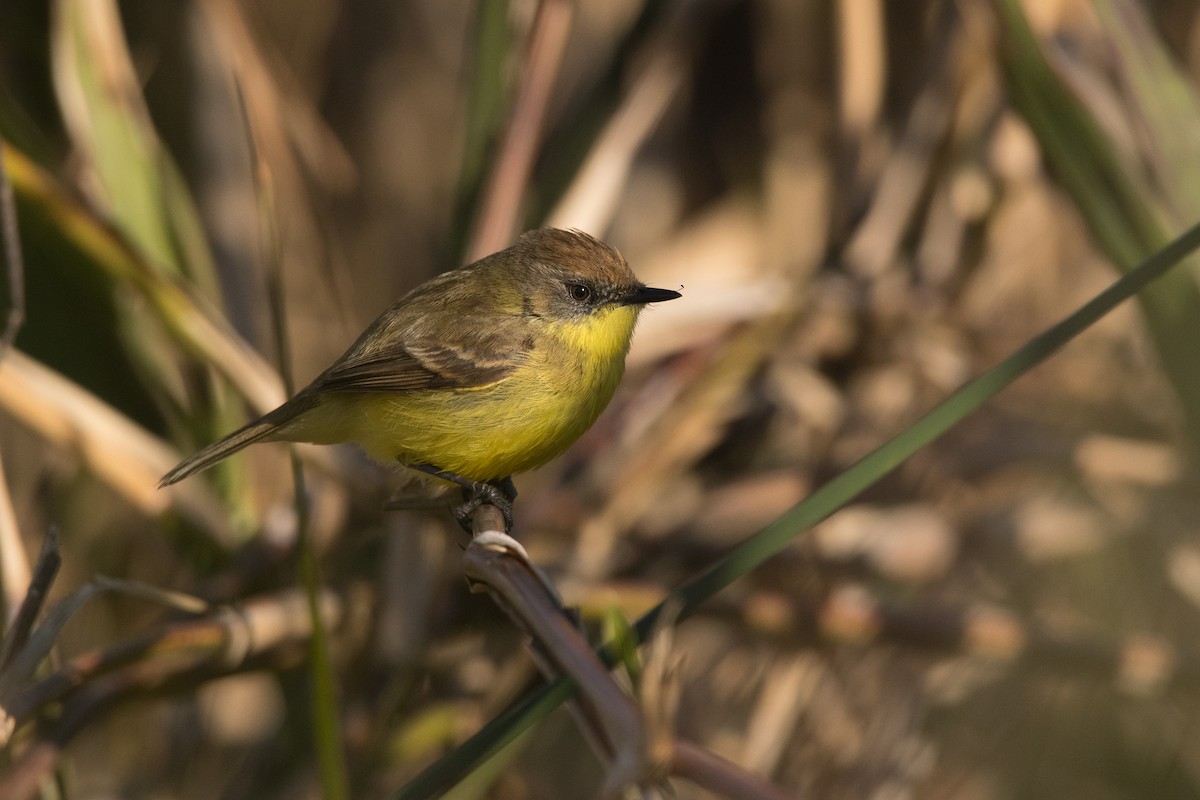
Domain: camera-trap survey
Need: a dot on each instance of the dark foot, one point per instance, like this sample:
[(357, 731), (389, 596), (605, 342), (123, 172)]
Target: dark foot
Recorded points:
[(499, 493)]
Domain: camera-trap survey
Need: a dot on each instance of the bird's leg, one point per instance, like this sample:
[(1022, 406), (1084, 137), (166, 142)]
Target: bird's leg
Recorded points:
[(499, 493)]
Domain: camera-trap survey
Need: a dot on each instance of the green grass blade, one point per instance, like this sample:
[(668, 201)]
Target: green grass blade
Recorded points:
[(1164, 101), (98, 256), (480, 781), (623, 643), (487, 743), (134, 183), (326, 724), (1120, 206), (133, 176), (816, 507), (487, 106)]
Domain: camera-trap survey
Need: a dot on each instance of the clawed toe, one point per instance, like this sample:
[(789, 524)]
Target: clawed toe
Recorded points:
[(499, 493), (484, 494)]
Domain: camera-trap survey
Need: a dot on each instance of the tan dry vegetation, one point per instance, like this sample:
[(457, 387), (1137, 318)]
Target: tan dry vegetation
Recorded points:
[(861, 220)]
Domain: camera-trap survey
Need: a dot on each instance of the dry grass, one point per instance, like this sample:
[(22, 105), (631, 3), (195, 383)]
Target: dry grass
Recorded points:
[(861, 219)]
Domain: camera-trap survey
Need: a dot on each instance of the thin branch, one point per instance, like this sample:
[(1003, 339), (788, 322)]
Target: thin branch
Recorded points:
[(498, 564), (229, 639), (134, 681), (721, 777), (43, 576)]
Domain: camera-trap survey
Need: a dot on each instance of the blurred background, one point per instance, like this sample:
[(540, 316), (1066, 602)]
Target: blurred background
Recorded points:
[(866, 202)]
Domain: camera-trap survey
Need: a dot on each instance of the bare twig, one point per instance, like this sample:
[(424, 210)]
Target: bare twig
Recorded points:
[(18, 634), (719, 776), (48, 563), (505, 187), (135, 680), (199, 639), (179, 601), (221, 643), (609, 715)]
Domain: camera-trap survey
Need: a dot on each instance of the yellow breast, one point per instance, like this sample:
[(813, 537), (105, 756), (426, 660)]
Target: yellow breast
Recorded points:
[(514, 425)]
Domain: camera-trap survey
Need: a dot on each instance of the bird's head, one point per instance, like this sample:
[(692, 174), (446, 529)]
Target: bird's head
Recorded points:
[(580, 287)]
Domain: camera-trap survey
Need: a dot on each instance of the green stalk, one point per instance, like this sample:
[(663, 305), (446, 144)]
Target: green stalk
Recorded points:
[(327, 729), (487, 106), (326, 725), (1121, 210)]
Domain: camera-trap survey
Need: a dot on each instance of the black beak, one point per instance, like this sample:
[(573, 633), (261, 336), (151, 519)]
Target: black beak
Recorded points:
[(646, 294)]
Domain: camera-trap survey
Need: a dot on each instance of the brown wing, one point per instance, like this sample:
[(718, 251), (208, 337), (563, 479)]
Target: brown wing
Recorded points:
[(426, 341), (420, 365)]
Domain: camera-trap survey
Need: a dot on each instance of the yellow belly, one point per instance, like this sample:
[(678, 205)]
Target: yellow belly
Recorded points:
[(482, 434)]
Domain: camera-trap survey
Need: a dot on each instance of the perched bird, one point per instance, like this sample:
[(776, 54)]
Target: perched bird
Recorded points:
[(476, 374)]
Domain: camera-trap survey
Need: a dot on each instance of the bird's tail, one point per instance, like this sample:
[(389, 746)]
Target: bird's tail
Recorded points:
[(222, 448)]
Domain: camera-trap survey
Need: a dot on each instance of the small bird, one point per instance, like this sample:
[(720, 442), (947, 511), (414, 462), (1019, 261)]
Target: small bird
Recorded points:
[(476, 374)]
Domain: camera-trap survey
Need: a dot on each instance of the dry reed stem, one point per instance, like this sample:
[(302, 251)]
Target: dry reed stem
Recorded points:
[(116, 450), (14, 566), (175, 656), (590, 201), (500, 209)]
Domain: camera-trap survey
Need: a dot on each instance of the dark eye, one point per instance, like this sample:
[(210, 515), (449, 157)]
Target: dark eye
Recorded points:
[(579, 292)]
